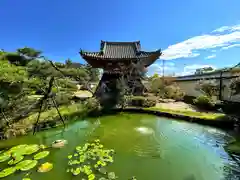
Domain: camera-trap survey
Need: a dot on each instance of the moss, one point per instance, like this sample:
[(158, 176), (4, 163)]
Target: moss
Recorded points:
[(48, 119), (195, 114)]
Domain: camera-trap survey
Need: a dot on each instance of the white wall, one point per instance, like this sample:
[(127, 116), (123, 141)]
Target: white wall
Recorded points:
[(188, 84)]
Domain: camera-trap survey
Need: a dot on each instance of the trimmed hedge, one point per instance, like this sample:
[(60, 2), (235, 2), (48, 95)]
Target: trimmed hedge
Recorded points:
[(142, 101)]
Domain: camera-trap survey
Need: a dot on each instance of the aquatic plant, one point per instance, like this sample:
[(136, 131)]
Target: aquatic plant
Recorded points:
[(15, 160), (16, 155), (45, 167), (41, 155), (90, 161), (17, 148), (4, 157), (23, 149), (26, 179), (26, 165), (42, 146), (30, 149), (7, 172)]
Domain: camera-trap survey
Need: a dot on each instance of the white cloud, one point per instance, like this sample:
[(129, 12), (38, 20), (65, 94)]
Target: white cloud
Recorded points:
[(230, 46), (191, 47), (227, 28), (158, 68), (211, 56), (190, 69)]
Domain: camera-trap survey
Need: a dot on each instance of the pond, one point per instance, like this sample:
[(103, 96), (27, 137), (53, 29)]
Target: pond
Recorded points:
[(146, 146)]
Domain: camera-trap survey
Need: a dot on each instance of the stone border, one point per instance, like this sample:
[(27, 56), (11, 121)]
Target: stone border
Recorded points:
[(221, 123)]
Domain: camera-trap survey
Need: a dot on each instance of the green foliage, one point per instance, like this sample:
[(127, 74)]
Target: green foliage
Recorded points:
[(173, 92), (63, 98), (90, 161), (24, 74), (208, 87), (78, 74), (11, 73), (29, 53), (15, 58), (204, 102), (158, 84), (17, 154), (235, 86), (204, 70), (143, 101), (68, 62), (41, 155), (92, 104), (7, 172), (41, 69), (93, 73), (66, 83)]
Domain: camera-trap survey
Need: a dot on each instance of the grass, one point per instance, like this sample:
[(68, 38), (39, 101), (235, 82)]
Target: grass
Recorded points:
[(65, 110), (201, 115)]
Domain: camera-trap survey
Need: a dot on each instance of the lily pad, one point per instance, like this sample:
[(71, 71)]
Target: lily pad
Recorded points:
[(17, 148), (91, 177), (7, 172), (42, 146), (76, 171), (30, 149), (45, 167), (41, 155), (15, 160), (4, 157), (26, 179), (26, 165)]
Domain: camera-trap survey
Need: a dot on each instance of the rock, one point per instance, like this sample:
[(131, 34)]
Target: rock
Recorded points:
[(59, 143)]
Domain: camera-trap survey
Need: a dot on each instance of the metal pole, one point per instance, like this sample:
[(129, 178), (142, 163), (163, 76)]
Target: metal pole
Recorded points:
[(163, 64)]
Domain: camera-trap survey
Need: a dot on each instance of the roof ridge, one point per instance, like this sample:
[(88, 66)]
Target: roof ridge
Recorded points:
[(120, 42)]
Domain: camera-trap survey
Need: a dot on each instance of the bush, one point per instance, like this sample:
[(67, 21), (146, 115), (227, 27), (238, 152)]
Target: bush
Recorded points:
[(208, 87), (204, 102), (173, 92), (143, 101), (149, 102), (63, 98), (189, 99), (92, 104)]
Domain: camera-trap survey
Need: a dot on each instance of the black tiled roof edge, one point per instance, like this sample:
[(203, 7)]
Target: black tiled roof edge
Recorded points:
[(140, 54), (120, 50)]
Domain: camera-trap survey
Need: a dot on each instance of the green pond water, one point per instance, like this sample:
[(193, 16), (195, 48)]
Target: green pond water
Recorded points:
[(148, 147)]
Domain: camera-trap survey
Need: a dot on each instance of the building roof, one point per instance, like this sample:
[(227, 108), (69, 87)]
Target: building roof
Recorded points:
[(120, 50)]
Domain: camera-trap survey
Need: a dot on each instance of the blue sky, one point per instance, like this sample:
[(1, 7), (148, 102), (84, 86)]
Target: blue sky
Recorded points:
[(191, 33)]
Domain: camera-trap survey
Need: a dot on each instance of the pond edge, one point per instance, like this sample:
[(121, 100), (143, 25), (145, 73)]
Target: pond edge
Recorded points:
[(225, 123)]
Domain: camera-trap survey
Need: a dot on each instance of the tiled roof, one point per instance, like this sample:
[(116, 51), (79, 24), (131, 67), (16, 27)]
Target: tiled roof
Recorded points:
[(120, 50)]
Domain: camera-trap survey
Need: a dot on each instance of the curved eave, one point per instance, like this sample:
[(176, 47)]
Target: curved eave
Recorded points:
[(153, 56), (93, 58)]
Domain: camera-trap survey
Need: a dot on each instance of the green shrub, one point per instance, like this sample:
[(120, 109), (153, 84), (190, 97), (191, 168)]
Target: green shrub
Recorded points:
[(92, 104), (204, 102), (173, 92), (63, 98), (149, 102), (143, 101)]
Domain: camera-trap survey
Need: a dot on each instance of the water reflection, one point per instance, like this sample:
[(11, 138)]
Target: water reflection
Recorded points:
[(147, 147)]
